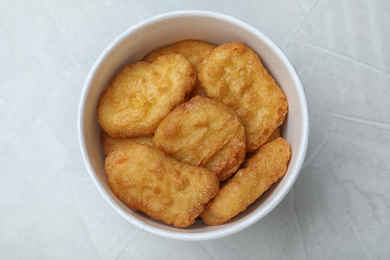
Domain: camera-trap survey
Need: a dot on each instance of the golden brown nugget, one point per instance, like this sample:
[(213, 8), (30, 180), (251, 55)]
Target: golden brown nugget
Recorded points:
[(203, 132), (141, 95), (194, 51), (111, 144), (234, 75), (248, 184), (146, 179)]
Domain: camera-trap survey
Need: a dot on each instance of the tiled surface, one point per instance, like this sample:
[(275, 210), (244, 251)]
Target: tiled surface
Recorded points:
[(339, 207)]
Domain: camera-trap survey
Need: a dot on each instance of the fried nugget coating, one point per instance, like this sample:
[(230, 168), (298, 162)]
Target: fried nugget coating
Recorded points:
[(262, 170), (141, 95), (203, 132), (146, 179), (195, 51), (234, 75), (111, 144)]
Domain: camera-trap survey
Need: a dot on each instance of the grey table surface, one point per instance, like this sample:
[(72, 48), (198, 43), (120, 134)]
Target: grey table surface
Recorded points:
[(339, 208)]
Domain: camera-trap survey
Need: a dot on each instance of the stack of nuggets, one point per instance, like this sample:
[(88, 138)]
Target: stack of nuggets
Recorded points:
[(177, 126), (203, 132)]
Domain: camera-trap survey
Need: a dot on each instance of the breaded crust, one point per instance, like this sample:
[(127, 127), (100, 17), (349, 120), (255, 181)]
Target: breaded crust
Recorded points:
[(111, 144), (146, 179), (262, 170), (234, 75), (195, 51), (203, 132), (141, 95)]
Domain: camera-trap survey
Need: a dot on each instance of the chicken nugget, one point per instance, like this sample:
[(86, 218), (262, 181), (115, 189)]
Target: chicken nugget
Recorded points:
[(195, 51), (262, 170), (111, 144), (141, 95), (234, 75), (203, 132), (146, 179)]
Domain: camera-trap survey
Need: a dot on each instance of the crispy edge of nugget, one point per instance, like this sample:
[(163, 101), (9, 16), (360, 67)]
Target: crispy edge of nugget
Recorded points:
[(111, 144), (195, 51), (267, 166), (192, 133), (146, 179), (258, 100), (142, 94), (275, 134)]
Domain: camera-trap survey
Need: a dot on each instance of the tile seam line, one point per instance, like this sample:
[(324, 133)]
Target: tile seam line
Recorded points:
[(299, 26), (353, 119), (380, 71)]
